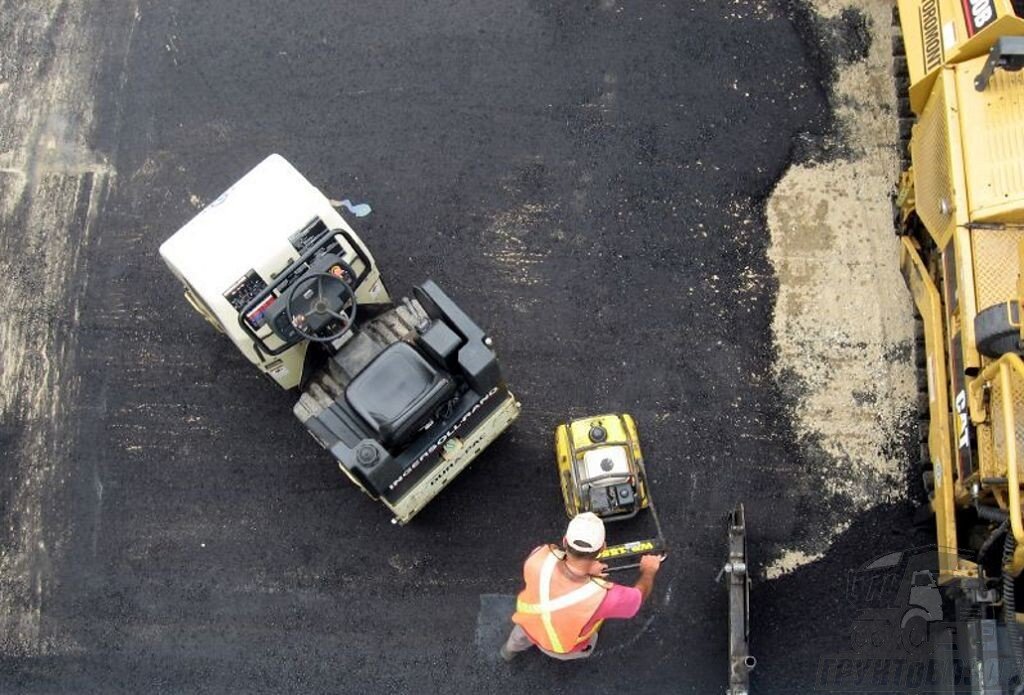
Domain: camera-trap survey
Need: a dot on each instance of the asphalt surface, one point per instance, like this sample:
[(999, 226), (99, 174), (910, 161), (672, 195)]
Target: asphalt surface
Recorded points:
[(572, 174)]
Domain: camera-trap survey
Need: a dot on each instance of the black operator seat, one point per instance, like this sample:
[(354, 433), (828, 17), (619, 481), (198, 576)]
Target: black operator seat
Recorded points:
[(398, 392)]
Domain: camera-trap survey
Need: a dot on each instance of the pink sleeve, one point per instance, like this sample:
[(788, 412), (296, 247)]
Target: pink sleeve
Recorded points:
[(620, 602)]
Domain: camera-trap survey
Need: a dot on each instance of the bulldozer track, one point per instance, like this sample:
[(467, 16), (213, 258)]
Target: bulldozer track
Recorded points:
[(922, 421), (901, 78)]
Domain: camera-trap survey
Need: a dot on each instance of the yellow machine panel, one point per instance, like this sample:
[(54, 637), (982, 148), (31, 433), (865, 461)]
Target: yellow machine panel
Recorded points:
[(992, 134), (941, 32), (968, 151)]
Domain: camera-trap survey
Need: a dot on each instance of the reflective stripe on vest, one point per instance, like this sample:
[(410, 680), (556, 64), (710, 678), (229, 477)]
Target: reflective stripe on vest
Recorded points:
[(564, 601), (541, 615)]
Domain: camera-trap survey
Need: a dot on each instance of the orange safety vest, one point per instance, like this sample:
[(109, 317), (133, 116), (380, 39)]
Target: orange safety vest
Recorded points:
[(554, 608)]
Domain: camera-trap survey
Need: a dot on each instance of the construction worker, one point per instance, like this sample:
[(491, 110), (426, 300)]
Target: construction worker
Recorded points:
[(567, 598)]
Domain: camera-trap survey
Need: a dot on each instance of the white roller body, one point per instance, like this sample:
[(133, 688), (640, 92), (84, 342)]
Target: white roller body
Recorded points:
[(248, 229)]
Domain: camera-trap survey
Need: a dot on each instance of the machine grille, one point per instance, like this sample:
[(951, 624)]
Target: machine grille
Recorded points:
[(931, 160), (996, 264), (998, 428)]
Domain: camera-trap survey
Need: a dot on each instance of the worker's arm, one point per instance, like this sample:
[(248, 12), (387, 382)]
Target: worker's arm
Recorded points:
[(649, 565)]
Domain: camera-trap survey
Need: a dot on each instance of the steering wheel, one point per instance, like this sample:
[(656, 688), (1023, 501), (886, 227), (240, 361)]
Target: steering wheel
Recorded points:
[(324, 305)]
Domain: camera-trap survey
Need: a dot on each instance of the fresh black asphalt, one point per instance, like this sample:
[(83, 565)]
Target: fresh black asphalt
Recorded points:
[(575, 174)]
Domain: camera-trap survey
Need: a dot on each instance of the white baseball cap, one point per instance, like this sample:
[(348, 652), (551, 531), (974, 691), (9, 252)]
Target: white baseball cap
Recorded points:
[(585, 533)]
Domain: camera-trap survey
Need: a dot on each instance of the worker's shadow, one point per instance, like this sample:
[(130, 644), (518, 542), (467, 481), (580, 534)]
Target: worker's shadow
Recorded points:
[(493, 624)]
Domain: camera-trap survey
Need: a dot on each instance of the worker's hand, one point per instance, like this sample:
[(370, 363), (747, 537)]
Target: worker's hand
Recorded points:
[(651, 563), (599, 569)]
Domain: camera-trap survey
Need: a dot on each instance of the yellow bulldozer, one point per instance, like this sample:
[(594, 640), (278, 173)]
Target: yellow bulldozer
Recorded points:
[(959, 211)]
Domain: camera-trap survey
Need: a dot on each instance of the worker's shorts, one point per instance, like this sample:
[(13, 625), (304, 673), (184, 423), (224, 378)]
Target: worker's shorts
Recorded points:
[(519, 642)]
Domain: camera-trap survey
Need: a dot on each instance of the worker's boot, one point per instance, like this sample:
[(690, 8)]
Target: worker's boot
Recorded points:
[(506, 654)]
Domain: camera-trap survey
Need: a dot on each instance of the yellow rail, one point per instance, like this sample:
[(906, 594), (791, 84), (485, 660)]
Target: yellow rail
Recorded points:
[(1006, 365), (1005, 379), (948, 489)]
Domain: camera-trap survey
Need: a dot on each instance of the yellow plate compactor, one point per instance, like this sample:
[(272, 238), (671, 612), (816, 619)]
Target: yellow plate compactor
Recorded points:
[(601, 470)]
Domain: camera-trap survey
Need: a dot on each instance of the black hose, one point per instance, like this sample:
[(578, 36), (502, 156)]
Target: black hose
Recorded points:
[(993, 514), (991, 540), (1010, 605)]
